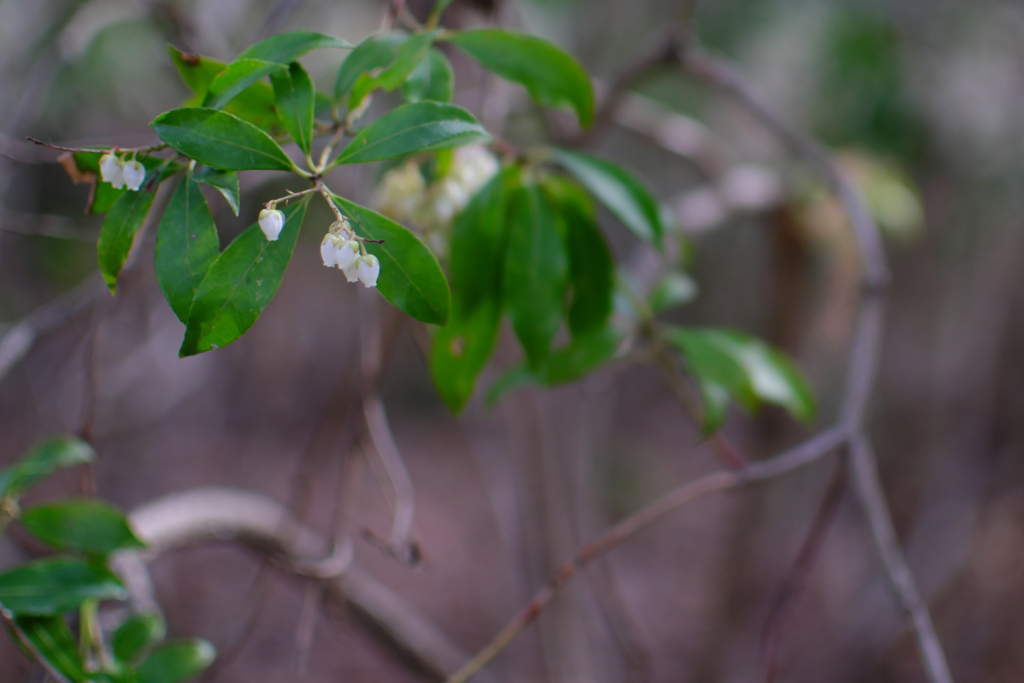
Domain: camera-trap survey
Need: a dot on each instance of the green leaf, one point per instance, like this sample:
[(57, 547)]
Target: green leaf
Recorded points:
[(620, 191), (43, 459), (220, 140), (176, 661), (240, 284), (536, 269), (675, 289), (416, 127), (591, 270), (376, 52), (433, 80), (296, 101), (551, 76), (51, 639), (254, 104), (238, 76), (410, 55), (410, 277), (135, 635), (226, 182), (118, 233), (460, 351), (186, 246), (85, 526), (55, 586), (479, 234), (285, 48)]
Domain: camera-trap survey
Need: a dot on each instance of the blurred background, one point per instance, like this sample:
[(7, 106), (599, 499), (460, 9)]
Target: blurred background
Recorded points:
[(922, 101)]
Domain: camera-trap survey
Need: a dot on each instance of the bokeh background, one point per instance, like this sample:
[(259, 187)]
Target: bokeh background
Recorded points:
[(923, 101)]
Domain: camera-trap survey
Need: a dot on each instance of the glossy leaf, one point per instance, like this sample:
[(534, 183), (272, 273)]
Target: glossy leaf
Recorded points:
[(240, 284), (186, 246), (460, 351), (591, 269), (135, 635), (176, 662), (55, 586), (117, 236), (410, 277), (376, 52), (226, 182), (551, 76), (236, 77), (479, 235), (285, 48), (43, 459), (409, 56), (536, 272), (620, 191), (416, 127), (85, 526), (296, 101), (675, 289), (254, 104), (51, 639), (433, 80), (220, 140)]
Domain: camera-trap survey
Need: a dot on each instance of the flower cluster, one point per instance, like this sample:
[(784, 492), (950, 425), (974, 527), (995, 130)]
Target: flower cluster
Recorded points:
[(405, 196), (340, 248), (120, 173)]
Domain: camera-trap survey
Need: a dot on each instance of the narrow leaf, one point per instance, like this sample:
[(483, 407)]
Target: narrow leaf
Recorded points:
[(551, 76), (226, 183), (376, 52), (433, 80), (460, 351), (478, 242), (536, 269), (220, 140), (620, 191), (135, 635), (84, 526), (117, 236), (416, 127), (410, 277), (238, 76), (51, 639), (240, 284), (296, 101), (176, 662), (56, 585), (41, 460), (285, 48), (410, 55), (186, 246)]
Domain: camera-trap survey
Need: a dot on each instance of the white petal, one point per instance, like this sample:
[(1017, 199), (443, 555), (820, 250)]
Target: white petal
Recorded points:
[(351, 273), (271, 223), (111, 168), (134, 175), (368, 269), (328, 251), (346, 254)]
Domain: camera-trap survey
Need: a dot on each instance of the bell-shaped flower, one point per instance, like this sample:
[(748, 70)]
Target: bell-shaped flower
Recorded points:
[(112, 170), (271, 223), (134, 174), (329, 250), (352, 272), (367, 270), (346, 254)]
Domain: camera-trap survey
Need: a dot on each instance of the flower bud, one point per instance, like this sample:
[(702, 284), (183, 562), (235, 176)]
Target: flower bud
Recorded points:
[(112, 170), (346, 254), (271, 223), (367, 269), (134, 173)]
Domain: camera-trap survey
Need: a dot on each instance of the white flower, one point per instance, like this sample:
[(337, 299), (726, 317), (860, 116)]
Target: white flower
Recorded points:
[(352, 272), (329, 250), (112, 170), (367, 270), (346, 253), (134, 173), (401, 192), (271, 223)]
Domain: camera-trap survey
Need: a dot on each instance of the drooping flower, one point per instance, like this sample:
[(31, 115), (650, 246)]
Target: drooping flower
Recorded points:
[(134, 174), (367, 270), (346, 254), (112, 170), (271, 223), (329, 250)]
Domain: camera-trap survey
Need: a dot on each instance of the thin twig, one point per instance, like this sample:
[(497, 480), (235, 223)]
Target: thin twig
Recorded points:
[(87, 150)]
